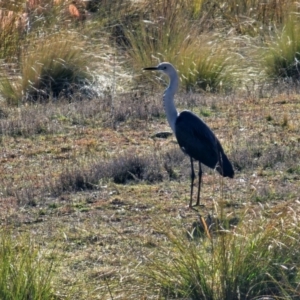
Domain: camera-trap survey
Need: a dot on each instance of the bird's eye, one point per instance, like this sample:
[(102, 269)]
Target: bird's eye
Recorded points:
[(165, 68)]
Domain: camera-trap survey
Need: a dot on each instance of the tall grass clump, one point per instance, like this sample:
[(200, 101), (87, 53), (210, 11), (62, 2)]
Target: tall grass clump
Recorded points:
[(168, 34), (259, 257), (249, 17), (24, 273), (205, 66), (158, 35), (50, 66), (195, 6), (283, 53), (10, 37)]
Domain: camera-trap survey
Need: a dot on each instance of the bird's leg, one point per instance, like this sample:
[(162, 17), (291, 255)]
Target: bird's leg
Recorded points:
[(199, 184), (192, 182)]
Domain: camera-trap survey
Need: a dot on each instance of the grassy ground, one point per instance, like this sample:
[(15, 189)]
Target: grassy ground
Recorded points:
[(103, 234), (100, 201)]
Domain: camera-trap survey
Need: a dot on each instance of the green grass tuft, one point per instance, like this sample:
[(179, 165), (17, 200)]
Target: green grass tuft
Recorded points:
[(255, 258), (24, 272), (283, 54)]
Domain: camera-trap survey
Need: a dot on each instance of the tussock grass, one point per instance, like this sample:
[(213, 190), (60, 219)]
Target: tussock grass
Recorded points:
[(25, 273), (282, 55), (252, 17), (10, 38), (258, 257), (50, 66), (206, 67), (168, 35)]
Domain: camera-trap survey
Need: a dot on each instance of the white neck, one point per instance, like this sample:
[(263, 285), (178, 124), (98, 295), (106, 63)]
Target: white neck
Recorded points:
[(169, 105)]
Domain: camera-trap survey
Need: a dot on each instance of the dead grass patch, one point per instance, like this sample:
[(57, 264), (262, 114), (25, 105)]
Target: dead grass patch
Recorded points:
[(129, 167), (65, 190)]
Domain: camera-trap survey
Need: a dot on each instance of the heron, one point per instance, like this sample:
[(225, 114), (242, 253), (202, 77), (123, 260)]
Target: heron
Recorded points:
[(194, 137)]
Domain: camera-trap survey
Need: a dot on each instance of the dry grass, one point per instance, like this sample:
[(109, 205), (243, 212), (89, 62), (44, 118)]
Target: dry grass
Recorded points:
[(223, 268), (90, 174), (51, 67), (97, 228)]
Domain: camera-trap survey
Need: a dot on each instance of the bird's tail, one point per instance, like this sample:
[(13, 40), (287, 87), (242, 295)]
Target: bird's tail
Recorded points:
[(224, 166)]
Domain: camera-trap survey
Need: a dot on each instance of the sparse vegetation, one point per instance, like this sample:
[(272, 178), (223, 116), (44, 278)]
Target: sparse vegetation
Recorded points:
[(88, 163), (121, 170)]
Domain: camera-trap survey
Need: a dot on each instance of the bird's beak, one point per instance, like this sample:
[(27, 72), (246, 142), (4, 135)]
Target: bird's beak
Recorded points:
[(150, 69)]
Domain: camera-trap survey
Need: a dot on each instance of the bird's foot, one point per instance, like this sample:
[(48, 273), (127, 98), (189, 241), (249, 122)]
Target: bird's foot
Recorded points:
[(192, 207), (188, 208), (196, 205)]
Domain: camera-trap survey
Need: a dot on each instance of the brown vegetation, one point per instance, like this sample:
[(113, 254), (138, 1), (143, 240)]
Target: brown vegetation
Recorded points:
[(90, 173)]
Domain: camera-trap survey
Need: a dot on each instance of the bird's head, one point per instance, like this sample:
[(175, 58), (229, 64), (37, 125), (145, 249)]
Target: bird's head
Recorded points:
[(164, 67)]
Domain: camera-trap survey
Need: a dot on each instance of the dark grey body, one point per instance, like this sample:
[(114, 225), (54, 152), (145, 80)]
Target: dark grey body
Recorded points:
[(194, 137), (197, 140)]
